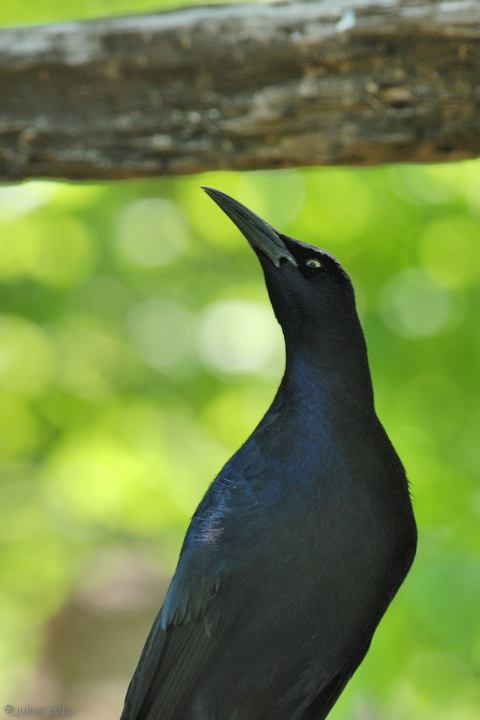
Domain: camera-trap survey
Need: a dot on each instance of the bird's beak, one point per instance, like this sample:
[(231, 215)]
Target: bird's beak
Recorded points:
[(260, 234)]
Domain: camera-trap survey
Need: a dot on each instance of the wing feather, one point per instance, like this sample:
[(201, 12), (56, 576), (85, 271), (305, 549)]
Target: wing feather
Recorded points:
[(185, 634)]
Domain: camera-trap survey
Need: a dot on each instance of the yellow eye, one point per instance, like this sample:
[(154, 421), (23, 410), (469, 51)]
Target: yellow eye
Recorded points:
[(313, 263)]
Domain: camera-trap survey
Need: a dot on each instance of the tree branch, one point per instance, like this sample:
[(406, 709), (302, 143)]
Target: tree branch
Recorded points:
[(242, 87)]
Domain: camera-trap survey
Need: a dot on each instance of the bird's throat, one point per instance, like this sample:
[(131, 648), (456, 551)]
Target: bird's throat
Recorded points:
[(315, 377)]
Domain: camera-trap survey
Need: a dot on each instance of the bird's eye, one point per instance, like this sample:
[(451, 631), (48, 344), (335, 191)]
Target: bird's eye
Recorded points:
[(313, 263)]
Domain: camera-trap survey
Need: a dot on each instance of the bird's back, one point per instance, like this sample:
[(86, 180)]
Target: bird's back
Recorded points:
[(302, 540)]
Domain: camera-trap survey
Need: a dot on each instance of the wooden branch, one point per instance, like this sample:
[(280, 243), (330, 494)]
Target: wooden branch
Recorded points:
[(242, 87)]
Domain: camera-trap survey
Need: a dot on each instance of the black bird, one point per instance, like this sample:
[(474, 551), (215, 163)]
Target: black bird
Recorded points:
[(304, 537)]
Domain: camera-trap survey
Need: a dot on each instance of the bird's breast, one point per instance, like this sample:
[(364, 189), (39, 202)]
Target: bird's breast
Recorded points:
[(322, 504)]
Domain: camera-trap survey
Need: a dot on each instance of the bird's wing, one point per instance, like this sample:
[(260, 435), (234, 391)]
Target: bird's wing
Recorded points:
[(184, 635), (326, 698)]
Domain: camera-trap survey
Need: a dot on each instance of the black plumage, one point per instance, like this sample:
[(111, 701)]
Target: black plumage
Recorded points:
[(304, 537)]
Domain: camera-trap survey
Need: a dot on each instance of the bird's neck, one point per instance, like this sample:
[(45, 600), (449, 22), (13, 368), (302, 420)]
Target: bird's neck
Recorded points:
[(333, 375)]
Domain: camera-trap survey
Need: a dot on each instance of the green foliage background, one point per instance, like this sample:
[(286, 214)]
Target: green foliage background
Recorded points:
[(125, 387)]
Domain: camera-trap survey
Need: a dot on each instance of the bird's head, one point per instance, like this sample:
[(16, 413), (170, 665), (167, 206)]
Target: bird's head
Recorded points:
[(310, 292), (313, 300)]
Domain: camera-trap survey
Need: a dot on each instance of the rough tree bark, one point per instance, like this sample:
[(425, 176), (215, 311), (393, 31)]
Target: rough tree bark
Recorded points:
[(242, 86)]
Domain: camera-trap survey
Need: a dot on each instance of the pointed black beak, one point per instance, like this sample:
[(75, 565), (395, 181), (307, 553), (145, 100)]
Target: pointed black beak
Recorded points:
[(260, 234)]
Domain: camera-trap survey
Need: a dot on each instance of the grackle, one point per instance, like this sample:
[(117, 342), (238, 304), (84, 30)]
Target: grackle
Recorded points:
[(304, 537)]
